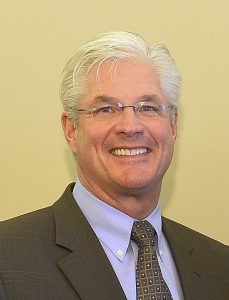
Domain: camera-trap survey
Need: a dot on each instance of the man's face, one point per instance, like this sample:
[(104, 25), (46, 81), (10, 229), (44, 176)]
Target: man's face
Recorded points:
[(97, 142)]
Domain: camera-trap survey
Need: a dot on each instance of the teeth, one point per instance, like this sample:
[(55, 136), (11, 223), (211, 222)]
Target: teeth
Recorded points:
[(129, 152)]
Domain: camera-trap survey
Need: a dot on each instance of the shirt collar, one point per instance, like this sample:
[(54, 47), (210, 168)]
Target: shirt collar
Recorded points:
[(155, 220), (112, 227)]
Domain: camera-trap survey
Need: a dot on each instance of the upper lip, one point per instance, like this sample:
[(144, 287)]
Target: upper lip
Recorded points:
[(130, 147)]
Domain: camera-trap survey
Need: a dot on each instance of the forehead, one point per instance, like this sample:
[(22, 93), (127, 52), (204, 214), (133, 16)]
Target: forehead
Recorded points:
[(125, 79)]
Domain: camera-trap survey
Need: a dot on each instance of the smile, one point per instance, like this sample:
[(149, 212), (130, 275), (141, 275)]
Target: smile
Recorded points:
[(129, 152)]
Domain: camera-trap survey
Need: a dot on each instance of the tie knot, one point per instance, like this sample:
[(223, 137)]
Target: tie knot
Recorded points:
[(143, 233)]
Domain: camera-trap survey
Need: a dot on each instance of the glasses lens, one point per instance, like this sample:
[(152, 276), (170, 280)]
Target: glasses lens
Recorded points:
[(105, 110), (149, 109)]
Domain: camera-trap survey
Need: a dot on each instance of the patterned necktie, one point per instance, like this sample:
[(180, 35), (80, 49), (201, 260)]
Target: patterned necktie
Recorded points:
[(149, 281)]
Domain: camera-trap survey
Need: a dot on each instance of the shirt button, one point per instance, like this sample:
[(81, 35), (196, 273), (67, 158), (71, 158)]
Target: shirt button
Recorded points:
[(161, 252), (119, 252)]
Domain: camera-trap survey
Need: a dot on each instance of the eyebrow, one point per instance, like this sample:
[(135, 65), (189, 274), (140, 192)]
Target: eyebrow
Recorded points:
[(104, 98), (144, 98), (152, 98)]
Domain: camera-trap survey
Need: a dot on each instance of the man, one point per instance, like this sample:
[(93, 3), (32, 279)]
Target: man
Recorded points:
[(105, 237)]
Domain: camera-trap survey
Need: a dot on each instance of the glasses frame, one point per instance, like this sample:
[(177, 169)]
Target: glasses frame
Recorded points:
[(162, 108)]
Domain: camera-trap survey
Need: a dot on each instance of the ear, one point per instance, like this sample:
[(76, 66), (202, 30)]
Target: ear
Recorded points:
[(69, 131), (174, 125)]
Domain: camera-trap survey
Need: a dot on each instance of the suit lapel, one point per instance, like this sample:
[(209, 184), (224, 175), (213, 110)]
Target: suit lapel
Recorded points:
[(86, 266), (186, 260)]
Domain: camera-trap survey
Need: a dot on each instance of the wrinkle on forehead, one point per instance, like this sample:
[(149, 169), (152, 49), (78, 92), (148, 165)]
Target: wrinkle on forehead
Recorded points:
[(144, 98)]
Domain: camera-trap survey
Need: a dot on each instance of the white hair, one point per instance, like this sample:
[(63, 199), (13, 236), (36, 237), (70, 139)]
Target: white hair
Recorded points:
[(117, 46)]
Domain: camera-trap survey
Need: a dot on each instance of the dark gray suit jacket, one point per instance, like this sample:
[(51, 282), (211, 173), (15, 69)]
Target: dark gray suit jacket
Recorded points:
[(54, 254)]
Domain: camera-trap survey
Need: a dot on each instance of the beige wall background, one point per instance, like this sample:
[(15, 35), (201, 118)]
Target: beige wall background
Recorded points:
[(37, 38)]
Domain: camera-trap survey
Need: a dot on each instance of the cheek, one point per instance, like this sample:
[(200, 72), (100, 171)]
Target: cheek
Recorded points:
[(88, 138), (163, 133)]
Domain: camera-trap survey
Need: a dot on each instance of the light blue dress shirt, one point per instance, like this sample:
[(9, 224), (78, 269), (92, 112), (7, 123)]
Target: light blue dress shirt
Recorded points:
[(113, 229)]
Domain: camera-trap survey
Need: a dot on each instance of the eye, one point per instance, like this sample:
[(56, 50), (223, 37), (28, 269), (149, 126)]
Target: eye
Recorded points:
[(106, 109), (149, 108)]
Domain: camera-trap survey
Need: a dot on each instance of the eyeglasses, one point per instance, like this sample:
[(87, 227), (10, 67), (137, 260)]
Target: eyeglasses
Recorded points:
[(103, 110)]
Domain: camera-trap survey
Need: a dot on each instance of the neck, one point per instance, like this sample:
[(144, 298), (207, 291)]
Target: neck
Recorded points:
[(136, 204)]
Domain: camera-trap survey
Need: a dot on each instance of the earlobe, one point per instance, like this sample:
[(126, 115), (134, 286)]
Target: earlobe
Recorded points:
[(69, 131)]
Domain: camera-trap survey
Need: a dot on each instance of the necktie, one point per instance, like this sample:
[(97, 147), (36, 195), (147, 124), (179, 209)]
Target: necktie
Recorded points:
[(150, 284)]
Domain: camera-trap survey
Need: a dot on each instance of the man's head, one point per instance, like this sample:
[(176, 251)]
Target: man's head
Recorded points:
[(120, 98)]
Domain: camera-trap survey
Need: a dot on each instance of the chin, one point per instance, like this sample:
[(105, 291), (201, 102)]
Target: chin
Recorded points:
[(135, 185)]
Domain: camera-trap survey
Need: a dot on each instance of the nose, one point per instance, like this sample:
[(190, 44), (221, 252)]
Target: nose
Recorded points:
[(128, 123)]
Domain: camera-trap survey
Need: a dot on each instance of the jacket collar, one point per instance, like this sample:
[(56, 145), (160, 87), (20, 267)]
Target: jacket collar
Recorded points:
[(86, 266), (185, 255)]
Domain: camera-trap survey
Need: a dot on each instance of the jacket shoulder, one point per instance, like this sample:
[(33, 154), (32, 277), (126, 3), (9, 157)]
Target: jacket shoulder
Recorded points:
[(36, 224), (29, 225), (194, 239)]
